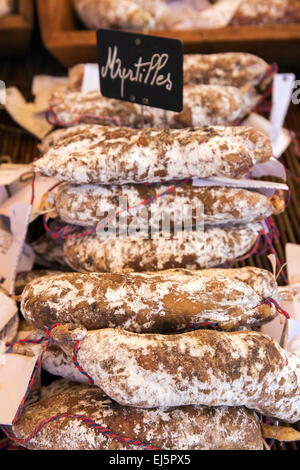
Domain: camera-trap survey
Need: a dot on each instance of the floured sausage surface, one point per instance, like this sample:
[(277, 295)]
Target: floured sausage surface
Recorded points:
[(203, 105), (57, 362), (139, 14), (201, 367), (186, 249), (88, 205), (25, 278), (191, 427), (260, 12), (230, 68), (152, 302), (106, 155), (237, 69)]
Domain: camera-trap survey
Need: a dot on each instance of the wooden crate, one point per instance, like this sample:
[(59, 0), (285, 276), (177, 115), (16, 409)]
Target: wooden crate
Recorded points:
[(71, 45), (16, 30)]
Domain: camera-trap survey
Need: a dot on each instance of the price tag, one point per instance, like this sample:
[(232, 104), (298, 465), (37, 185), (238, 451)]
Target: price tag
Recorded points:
[(274, 328), (3, 194), (15, 375), (293, 345), (290, 297), (270, 168), (26, 114), (283, 86), (8, 309), (9, 172), (266, 187), (91, 78), (11, 246), (262, 124), (10, 258), (141, 68), (26, 261), (21, 194), (292, 253)]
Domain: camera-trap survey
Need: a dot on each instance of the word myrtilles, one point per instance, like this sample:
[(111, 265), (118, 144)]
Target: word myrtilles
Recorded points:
[(147, 72)]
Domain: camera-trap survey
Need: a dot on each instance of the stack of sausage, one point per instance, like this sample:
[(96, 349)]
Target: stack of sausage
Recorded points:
[(148, 377), (152, 170), (219, 90), (172, 354)]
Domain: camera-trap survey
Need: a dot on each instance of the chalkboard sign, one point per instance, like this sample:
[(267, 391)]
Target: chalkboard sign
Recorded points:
[(141, 69)]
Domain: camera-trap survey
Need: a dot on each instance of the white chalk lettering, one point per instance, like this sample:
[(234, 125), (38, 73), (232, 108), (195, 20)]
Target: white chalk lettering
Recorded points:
[(149, 73)]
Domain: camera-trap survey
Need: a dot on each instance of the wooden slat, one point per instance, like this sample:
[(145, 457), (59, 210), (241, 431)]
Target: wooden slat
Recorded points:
[(55, 16), (62, 37), (16, 30), (26, 10)]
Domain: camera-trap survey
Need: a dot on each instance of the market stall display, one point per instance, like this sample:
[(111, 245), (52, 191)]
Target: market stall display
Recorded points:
[(129, 300)]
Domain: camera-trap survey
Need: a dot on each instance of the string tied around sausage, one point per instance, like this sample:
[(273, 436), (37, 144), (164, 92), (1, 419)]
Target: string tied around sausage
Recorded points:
[(37, 368), (53, 120), (268, 235), (72, 231), (270, 301), (89, 422), (78, 366)]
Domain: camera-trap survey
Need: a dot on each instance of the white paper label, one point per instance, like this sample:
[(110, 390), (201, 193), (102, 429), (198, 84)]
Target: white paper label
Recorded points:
[(296, 307), (272, 259), (270, 168), (6, 258), (23, 195), (31, 116), (2, 353), (262, 124), (15, 375), (3, 194), (292, 306), (8, 309), (43, 87), (91, 78), (7, 253), (2, 92), (266, 187), (11, 246), (283, 86), (275, 327), (25, 114), (292, 252), (290, 302), (293, 345), (26, 261), (19, 221), (10, 173), (290, 296)]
